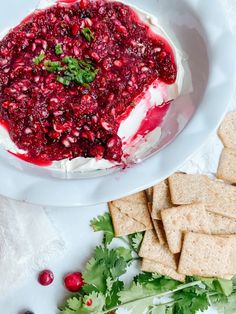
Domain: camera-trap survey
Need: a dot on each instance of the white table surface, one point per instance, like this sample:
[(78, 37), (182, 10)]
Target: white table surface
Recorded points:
[(80, 243)]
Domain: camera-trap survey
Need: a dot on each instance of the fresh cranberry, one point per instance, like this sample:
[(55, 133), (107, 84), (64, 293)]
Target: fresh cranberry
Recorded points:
[(74, 281), (89, 302), (46, 277)]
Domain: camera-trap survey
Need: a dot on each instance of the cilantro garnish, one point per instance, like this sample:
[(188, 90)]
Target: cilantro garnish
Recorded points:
[(58, 49), (104, 223), (105, 292), (88, 34), (81, 72), (37, 60), (52, 66)]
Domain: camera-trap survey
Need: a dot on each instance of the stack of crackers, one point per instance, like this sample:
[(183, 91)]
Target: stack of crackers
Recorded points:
[(189, 220)]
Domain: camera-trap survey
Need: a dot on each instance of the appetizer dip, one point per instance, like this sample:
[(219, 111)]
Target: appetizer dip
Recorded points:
[(86, 85)]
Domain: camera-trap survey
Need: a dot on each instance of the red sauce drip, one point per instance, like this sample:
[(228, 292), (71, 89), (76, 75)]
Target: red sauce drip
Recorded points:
[(153, 119), (52, 121), (39, 162)]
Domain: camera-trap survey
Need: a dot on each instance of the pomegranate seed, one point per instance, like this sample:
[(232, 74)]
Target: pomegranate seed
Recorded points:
[(95, 56), (75, 29), (112, 312), (46, 277), (88, 22), (118, 63), (105, 125), (97, 151), (28, 131), (74, 282), (66, 143), (83, 4), (89, 302)]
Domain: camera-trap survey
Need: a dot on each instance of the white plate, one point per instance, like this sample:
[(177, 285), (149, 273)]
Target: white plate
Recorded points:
[(202, 31)]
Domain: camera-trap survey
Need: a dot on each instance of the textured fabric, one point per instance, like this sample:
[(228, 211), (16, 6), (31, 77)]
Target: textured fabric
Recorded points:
[(28, 240)]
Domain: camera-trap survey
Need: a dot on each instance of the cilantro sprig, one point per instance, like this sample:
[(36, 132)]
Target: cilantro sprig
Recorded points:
[(88, 34), (69, 69), (105, 291), (37, 60), (58, 49), (81, 72)]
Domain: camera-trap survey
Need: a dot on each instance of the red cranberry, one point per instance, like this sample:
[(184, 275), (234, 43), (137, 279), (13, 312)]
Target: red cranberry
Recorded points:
[(74, 281), (46, 277), (89, 302)]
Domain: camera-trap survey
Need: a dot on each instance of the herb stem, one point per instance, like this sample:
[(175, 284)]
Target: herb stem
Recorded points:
[(163, 294)]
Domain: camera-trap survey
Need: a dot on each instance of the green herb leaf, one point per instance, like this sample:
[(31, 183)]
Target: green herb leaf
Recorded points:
[(105, 263), (88, 34), (93, 303), (65, 80), (112, 299), (37, 60), (104, 223), (52, 66), (72, 305), (191, 300), (58, 49), (224, 305), (125, 253), (135, 240)]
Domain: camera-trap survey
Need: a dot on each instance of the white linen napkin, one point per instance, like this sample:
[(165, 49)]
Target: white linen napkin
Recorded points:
[(28, 240)]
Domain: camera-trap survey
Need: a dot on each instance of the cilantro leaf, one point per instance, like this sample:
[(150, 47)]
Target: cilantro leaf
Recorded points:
[(58, 49), (135, 240), (125, 253), (225, 305), (88, 34), (104, 223), (37, 60), (112, 299), (191, 300), (52, 66), (105, 263), (72, 305), (93, 303)]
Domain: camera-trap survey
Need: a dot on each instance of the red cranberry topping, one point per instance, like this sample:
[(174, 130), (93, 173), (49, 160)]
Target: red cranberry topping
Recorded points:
[(73, 281), (54, 119), (45, 278)]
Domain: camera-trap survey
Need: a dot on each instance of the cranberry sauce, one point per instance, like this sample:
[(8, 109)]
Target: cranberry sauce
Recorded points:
[(68, 73)]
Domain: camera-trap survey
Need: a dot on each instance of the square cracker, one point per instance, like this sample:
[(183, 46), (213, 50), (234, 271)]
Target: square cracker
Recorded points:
[(219, 197), (161, 199), (155, 267), (138, 198), (124, 224), (157, 224), (227, 166), (159, 229), (153, 250), (134, 209), (189, 188), (206, 255), (227, 130), (221, 225), (149, 196), (177, 220), (224, 200)]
